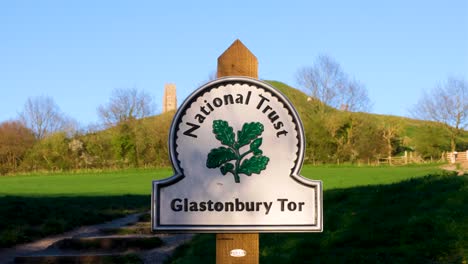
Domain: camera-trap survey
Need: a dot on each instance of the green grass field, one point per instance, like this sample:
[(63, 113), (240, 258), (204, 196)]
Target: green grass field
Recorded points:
[(370, 215), (138, 181), (131, 181), (334, 177)]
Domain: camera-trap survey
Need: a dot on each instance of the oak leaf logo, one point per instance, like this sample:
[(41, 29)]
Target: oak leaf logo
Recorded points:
[(229, 158)]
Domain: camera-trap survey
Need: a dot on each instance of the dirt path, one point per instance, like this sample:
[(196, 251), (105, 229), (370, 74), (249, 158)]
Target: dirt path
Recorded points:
[(152, 256), (461, 169), (171, 242)]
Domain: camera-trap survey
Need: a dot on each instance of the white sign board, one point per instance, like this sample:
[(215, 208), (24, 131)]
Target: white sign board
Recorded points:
[(237, 146)]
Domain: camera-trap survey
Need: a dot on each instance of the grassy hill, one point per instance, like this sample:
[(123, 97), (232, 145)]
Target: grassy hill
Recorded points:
[(425, 137), (337, 135)]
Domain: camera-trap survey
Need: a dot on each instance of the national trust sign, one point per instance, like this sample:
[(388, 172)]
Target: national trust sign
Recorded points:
[(237, 146)]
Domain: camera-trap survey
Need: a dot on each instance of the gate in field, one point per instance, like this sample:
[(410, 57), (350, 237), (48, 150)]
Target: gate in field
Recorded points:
[(457, 157)]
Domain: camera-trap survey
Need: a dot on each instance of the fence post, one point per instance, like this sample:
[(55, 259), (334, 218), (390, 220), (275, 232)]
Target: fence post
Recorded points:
[(237, 60)]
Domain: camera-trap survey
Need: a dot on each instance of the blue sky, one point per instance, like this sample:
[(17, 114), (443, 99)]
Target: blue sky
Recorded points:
[(77, 52)]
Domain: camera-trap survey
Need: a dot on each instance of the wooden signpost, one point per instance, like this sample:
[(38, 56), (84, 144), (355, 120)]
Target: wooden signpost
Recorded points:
[(237, 60), (237, 146)]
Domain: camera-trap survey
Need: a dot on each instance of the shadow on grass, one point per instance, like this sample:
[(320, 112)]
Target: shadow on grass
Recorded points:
[(24, 219), (422, 220)]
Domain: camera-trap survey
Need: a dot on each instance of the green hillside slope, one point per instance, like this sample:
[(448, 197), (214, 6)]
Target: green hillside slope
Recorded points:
[(425, 137), (331, 135)]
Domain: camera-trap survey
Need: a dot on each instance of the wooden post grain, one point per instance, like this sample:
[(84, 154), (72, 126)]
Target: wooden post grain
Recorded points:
[(237, 60)]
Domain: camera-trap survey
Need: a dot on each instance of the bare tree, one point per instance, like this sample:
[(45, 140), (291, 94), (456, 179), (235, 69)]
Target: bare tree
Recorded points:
[(353, 97), (447, 104), (327, 82), (42, 115), (390, 130), (123, 109), (125, 105)]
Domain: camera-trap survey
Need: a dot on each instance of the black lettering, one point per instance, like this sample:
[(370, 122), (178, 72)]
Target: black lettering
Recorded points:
[(240, 99), (193, 207), (218, 206), (200, 118), (217, 102), (282, 132), (278, 125), (248, 97), (202, 206), (229, 206), (209, 106), (175, 205), (250, 206), (210, 205), (204, 110), (300, 206), (267, 206), (239, 205), (292, 206), (261, 101), (185, 205), (228, 99), (282, 203), (273, 116), (258, 204), (266, 108), (189, 131)]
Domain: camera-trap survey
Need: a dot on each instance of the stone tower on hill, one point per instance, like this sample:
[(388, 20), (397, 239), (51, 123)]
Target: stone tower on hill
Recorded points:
[(170, 97)]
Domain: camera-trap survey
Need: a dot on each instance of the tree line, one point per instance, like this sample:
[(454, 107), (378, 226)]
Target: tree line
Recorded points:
[(352, 136), (44, 138), (337, 127)]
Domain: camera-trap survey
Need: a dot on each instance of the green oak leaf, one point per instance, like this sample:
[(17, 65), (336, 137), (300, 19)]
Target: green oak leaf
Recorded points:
[(224, 133), (218, 156), (256, 144), (228, 167), (249, 132), (253, 165)]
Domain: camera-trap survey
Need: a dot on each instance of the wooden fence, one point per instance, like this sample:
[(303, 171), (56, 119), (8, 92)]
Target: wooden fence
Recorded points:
[(457, 157), (401, 160)]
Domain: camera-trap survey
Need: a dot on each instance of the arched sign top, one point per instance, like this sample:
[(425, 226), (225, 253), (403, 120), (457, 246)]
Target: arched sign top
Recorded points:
[(237, 147), (241, 92)]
